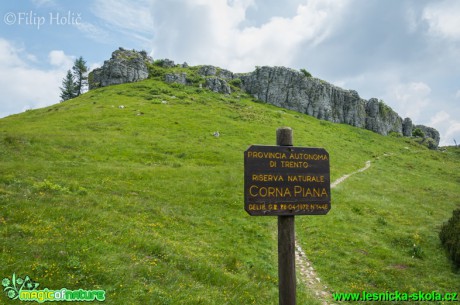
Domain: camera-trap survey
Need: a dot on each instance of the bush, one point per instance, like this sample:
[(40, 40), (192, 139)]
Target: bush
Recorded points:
[(450, 237), (236, 82), (305, 72), (417, 132)]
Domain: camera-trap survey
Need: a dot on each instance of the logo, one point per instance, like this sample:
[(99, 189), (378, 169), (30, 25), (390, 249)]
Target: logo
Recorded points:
[(24, 289)]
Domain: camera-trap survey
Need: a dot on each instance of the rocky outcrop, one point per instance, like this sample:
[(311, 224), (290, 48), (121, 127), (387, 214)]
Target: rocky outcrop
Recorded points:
[(166, 63), (279, 86), (291, 89), (178, 78), (429, 133), (214, 71), (407, 127), (216, 78), (217, 85), (125, 66)]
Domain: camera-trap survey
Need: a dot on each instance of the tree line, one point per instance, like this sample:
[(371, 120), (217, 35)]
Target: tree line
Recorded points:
[(75, 80)]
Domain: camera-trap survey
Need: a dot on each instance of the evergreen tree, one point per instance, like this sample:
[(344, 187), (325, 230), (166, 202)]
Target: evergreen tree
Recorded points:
[(68, 89), (79, 72)]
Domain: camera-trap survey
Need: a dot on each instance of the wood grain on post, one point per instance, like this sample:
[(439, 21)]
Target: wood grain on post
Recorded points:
[(284, 136), (286, 240)]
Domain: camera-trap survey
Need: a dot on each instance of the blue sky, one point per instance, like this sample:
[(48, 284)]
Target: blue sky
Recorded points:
[(404, 52)]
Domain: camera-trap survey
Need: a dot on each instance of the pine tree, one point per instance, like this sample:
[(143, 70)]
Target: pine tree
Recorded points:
[(68, 89), (79, 72)]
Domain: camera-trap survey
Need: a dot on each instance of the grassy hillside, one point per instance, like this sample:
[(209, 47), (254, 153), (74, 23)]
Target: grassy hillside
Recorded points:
[(144, 202)]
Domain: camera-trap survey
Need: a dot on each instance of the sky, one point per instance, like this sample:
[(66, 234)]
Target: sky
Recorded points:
[(404, 52)]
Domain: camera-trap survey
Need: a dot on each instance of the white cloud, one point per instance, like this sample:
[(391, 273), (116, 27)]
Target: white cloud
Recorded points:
[(9, 55), (59, 59), (211, 32), (94, 32), (25, 87), (443, 18), (447, 126), (125, 14), (410, 99)]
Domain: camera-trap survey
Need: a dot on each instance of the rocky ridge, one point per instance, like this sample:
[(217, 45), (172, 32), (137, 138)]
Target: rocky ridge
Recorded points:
[(293, 90), (279, 86), (125, 66)]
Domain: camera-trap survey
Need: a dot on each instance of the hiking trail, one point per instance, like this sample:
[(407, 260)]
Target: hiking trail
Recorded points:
[(305, 267)]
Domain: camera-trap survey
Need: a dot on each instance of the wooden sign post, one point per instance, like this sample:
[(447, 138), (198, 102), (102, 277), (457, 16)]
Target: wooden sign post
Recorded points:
[(286, 240), (285, 181)]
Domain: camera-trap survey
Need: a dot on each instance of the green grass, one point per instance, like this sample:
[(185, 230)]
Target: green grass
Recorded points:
[(145, 203)]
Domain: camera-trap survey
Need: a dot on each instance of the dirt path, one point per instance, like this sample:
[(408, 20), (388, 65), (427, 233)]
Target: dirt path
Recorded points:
[(307, 272)]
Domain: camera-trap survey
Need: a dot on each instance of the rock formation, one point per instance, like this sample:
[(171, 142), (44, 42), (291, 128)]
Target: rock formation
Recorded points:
[(217, 85), (214, 71), (279, 86), (125, 66), (291, 89), (407, 127), (429, 133), (179, 78)]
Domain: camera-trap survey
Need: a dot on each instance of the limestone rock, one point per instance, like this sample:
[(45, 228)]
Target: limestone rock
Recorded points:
[(179, 78), (218, 85), (225, 74), (207, 71), (279, 86), (430, 133), (407, 127), (166, 63), (214, 71), (291, 89), (125, 66), (381, 118)]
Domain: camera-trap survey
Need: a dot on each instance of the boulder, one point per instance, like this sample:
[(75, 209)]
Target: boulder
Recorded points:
[(218, 85), (125, 66), (407, 127), (430, 133), (208, 70), (179, 78)]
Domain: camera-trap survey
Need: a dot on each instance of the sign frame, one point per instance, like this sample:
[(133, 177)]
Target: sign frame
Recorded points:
[(286, 181)]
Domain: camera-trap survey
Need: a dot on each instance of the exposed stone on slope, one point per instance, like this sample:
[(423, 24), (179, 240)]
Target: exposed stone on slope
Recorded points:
[(291, 89), (125, 66), (279, 86), (179, 78), (430, 133), (218, 85), (407, 127), (216, 78), (381, 118), (209, 70), (165, 63)]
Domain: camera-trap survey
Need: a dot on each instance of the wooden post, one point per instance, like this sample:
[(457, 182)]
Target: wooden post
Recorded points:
[(286, 240)]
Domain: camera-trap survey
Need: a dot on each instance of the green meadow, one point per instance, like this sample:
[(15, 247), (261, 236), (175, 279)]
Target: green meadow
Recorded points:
[(125, 189)]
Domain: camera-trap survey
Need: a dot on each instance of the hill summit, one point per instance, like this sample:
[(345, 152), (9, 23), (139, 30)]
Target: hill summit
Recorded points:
[(279, 86)]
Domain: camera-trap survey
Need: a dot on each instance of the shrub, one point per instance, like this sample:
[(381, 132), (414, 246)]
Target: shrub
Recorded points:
[(156, 71), (450, 237), (305, 72), (417, 132), (236, 82)]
